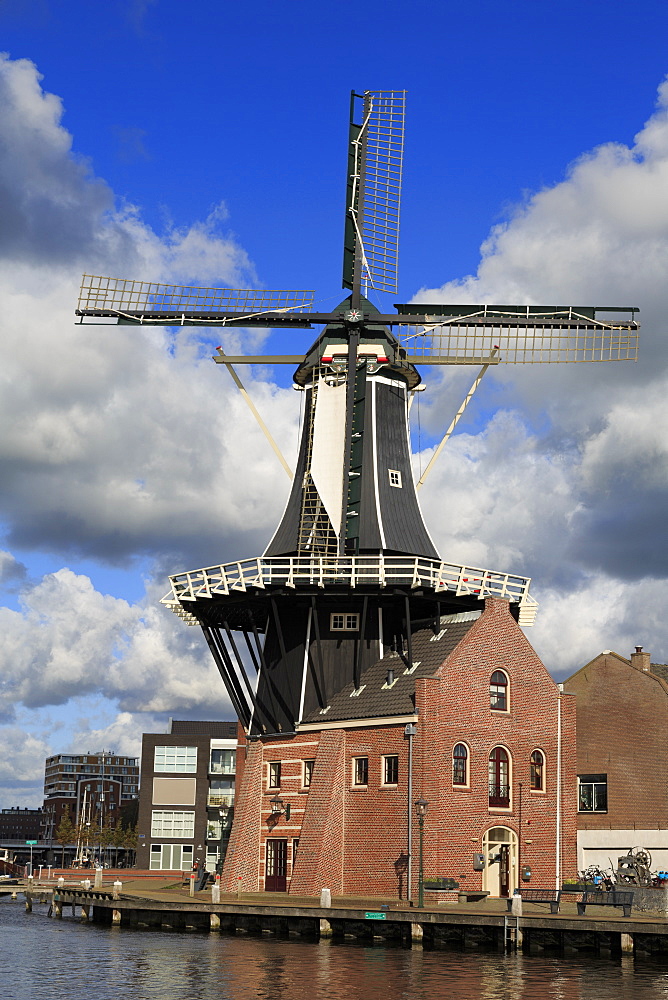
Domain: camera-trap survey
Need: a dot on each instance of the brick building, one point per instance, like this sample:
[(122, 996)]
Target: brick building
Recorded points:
[(104, 781), (20, 824), (493, 753), (186, 805), (622, 755)]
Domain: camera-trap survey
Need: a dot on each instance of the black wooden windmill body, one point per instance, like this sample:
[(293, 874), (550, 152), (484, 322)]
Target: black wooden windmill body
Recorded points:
[(351, 570)]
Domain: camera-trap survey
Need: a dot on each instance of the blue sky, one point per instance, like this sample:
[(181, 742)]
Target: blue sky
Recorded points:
[(206, 142)]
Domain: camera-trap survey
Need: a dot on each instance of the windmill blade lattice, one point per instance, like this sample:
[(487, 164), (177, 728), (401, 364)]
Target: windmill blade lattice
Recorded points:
[(374, 192), (156, 301)]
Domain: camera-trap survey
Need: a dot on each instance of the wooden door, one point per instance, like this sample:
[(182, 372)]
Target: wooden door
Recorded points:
[(504, 870), (276, 865)]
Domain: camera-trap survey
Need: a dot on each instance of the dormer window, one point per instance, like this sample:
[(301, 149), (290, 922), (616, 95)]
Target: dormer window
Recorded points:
[(395, 478)]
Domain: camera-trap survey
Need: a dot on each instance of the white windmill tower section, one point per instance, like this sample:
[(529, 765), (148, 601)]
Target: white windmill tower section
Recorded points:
[(329, 429)]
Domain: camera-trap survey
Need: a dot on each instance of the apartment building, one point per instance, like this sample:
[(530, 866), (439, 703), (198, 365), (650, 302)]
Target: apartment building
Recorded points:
[(186, 805)]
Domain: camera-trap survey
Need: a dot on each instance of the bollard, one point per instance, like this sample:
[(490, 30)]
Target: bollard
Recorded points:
[(239, 887), (98, 879), (118, 885), (61, 882), (192, 883), (86, 884), (326, 898), (215, 893), (516, 905)]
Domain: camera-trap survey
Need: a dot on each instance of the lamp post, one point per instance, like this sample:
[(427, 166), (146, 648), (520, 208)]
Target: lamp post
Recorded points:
[(223, 813), (421, 809)]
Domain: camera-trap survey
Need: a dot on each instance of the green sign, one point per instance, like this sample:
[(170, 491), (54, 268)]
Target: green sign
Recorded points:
[(31, 843), (375, 916)]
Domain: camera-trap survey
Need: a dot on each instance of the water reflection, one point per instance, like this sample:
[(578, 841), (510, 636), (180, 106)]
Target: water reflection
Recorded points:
[(43, 958)]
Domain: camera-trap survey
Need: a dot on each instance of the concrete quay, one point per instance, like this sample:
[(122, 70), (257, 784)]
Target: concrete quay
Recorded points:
[(165, 904)]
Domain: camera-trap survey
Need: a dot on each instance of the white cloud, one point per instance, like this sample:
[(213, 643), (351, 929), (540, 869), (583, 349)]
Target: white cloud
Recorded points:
[(123, 442), (70, 641), (570, 486)]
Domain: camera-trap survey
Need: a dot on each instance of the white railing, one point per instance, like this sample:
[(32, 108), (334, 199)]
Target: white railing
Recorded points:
[(351, 571)]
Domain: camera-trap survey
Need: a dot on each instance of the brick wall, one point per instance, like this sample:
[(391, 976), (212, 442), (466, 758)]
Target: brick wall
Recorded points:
[(354, 839), (622, 720)]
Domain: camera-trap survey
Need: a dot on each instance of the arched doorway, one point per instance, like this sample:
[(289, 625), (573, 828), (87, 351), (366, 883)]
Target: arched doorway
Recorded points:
[(500, 876)]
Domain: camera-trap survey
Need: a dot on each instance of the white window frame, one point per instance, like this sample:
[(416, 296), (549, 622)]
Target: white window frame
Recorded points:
[(344, 621), (274, 768), (384, 760), (307, 772), (173, 823), (357, 761), (395, 478), (175, 759)]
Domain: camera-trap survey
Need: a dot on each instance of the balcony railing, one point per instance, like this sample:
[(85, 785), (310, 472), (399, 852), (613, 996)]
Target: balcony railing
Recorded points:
[(222, 768), (220, 799), (293, 571), (499, 796)]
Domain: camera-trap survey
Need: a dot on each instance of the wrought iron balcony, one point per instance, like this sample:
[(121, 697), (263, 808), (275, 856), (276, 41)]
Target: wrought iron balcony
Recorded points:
[(499, 796)]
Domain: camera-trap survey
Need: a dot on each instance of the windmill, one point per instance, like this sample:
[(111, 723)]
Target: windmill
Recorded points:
[(351, 571)]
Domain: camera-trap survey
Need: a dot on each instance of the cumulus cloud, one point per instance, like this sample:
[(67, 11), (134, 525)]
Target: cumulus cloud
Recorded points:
[(69, 640), (116, 441), (120, 443), (566, 481)]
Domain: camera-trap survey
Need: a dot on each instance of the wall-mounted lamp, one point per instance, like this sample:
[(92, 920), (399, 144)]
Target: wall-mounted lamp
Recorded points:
[(277, 807)]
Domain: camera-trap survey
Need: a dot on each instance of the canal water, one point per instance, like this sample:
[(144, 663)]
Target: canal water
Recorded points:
[(43, 959)]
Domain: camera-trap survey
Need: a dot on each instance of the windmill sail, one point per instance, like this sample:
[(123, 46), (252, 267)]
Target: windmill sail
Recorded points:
[(375, 163)]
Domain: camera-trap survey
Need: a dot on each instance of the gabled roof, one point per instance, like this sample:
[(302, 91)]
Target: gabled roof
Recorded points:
[(375, 698)]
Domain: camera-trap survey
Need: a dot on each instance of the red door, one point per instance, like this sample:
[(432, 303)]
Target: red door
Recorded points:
[(276, 866)]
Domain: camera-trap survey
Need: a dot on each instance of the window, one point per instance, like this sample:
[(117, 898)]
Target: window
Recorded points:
[(498, 691), (390, 770), (537, 771), (307, 774), (460, 765), (592, 793), (180, 759), (499, 780), (395, 478), (172, 823), (274, 774), (344, 623), (171, 857), (360, 771), (222, 762)]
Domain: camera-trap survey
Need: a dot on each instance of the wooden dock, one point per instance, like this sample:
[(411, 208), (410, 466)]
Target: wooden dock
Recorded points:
[(486, 925)]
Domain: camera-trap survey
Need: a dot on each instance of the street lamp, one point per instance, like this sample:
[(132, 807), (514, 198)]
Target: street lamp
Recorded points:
[(421, 809), (223, 813)]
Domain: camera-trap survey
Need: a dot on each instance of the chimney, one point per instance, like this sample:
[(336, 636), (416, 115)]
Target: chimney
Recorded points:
[(640, 660)]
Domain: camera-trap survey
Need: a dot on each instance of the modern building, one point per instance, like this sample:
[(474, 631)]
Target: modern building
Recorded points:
[(186, 805), (622, 754), (474, 726), (92, 788)]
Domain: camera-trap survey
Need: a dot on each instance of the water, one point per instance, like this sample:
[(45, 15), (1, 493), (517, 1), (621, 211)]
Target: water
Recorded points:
[(43, 959)]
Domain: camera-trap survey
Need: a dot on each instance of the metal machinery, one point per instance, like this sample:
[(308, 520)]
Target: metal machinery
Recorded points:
[(351, 571)]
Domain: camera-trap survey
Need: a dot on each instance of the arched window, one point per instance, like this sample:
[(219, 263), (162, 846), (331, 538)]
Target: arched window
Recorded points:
[(498, 691), (537, 771), (499, 778), (460, 765)]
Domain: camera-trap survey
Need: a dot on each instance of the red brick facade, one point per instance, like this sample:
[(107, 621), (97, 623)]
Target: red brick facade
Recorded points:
[(353, 838)]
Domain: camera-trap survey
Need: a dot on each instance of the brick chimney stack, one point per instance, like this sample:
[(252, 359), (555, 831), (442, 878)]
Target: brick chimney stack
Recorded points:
[(640, 660)]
